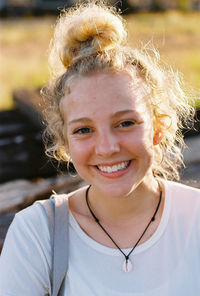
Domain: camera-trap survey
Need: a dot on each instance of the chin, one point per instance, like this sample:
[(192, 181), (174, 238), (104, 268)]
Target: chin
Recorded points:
[(115, 190)]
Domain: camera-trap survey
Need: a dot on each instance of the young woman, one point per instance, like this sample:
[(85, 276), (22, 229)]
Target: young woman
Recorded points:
[(116, 114)]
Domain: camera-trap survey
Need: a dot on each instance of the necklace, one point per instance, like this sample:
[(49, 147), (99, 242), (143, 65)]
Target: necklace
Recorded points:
[(127, 265)]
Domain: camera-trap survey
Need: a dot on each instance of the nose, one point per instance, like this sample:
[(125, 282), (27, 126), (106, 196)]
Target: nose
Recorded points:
[(107, 144)]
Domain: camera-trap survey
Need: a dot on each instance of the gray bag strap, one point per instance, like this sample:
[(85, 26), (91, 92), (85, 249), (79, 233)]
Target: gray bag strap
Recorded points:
[(58, 214), (61, 239)]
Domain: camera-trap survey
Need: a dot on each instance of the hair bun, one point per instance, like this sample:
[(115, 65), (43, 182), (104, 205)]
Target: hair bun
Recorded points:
[(88, 30)]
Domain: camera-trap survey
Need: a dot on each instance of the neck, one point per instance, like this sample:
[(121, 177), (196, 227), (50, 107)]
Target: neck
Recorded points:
[(138, 203)]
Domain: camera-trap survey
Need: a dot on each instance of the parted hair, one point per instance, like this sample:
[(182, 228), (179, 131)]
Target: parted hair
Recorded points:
[(92, 37)]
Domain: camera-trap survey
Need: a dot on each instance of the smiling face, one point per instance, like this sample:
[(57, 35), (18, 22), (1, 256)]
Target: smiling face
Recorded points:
[(108, 131)]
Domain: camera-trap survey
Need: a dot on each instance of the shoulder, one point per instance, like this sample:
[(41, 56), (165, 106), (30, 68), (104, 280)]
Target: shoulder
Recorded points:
[(179, 190), (26, 252), (29, 228), (29, 225), (33, 214), (185, 200)]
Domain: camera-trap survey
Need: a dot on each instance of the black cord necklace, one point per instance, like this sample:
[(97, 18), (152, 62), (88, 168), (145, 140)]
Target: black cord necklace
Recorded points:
[(127, 265)]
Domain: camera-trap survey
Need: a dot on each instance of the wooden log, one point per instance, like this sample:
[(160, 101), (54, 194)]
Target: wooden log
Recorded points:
[(19, 194), (29, 103), (22, 152), (13, 122), (23, 156)]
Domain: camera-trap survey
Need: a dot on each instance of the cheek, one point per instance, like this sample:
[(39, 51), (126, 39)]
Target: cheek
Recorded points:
[(79, 151), (141, 141)]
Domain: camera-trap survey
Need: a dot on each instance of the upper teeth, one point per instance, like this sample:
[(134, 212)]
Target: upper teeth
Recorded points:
[(114, 168)]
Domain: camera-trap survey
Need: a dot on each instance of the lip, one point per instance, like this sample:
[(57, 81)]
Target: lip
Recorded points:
[(114, 174)]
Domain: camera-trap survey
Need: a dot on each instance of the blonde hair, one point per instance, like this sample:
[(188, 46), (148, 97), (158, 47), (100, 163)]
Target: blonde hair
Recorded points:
[(92, 37)]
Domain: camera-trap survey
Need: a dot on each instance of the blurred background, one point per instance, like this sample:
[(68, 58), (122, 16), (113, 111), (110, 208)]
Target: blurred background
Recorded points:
[(26, 27)]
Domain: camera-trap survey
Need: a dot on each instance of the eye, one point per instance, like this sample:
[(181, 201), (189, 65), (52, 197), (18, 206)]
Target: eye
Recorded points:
[(126, 123), (83, 130)]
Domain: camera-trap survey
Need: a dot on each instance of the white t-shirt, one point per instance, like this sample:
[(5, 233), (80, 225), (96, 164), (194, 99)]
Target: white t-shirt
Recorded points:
[(167, 264)]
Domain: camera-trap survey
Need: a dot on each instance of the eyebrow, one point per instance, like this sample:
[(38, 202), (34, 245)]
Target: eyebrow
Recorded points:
[(116, 114), (81, 119)]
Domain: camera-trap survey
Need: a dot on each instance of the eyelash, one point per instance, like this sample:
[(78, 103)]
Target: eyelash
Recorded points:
[(80, 130), (87, 130), (130, 123)]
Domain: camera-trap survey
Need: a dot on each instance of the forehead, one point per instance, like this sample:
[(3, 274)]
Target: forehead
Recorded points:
[(102, 94)]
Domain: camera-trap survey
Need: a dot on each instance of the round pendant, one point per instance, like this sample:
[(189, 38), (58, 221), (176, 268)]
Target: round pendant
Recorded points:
[(127, 266)]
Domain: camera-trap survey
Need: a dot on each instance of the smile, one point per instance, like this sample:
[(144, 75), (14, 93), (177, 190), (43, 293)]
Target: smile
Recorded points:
[(114, 168)]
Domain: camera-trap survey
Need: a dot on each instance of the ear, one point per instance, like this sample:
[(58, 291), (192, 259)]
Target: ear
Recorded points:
[(158, 135)]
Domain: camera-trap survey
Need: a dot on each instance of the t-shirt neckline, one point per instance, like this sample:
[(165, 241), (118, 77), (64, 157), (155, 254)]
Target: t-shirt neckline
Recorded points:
[(142, 247)]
